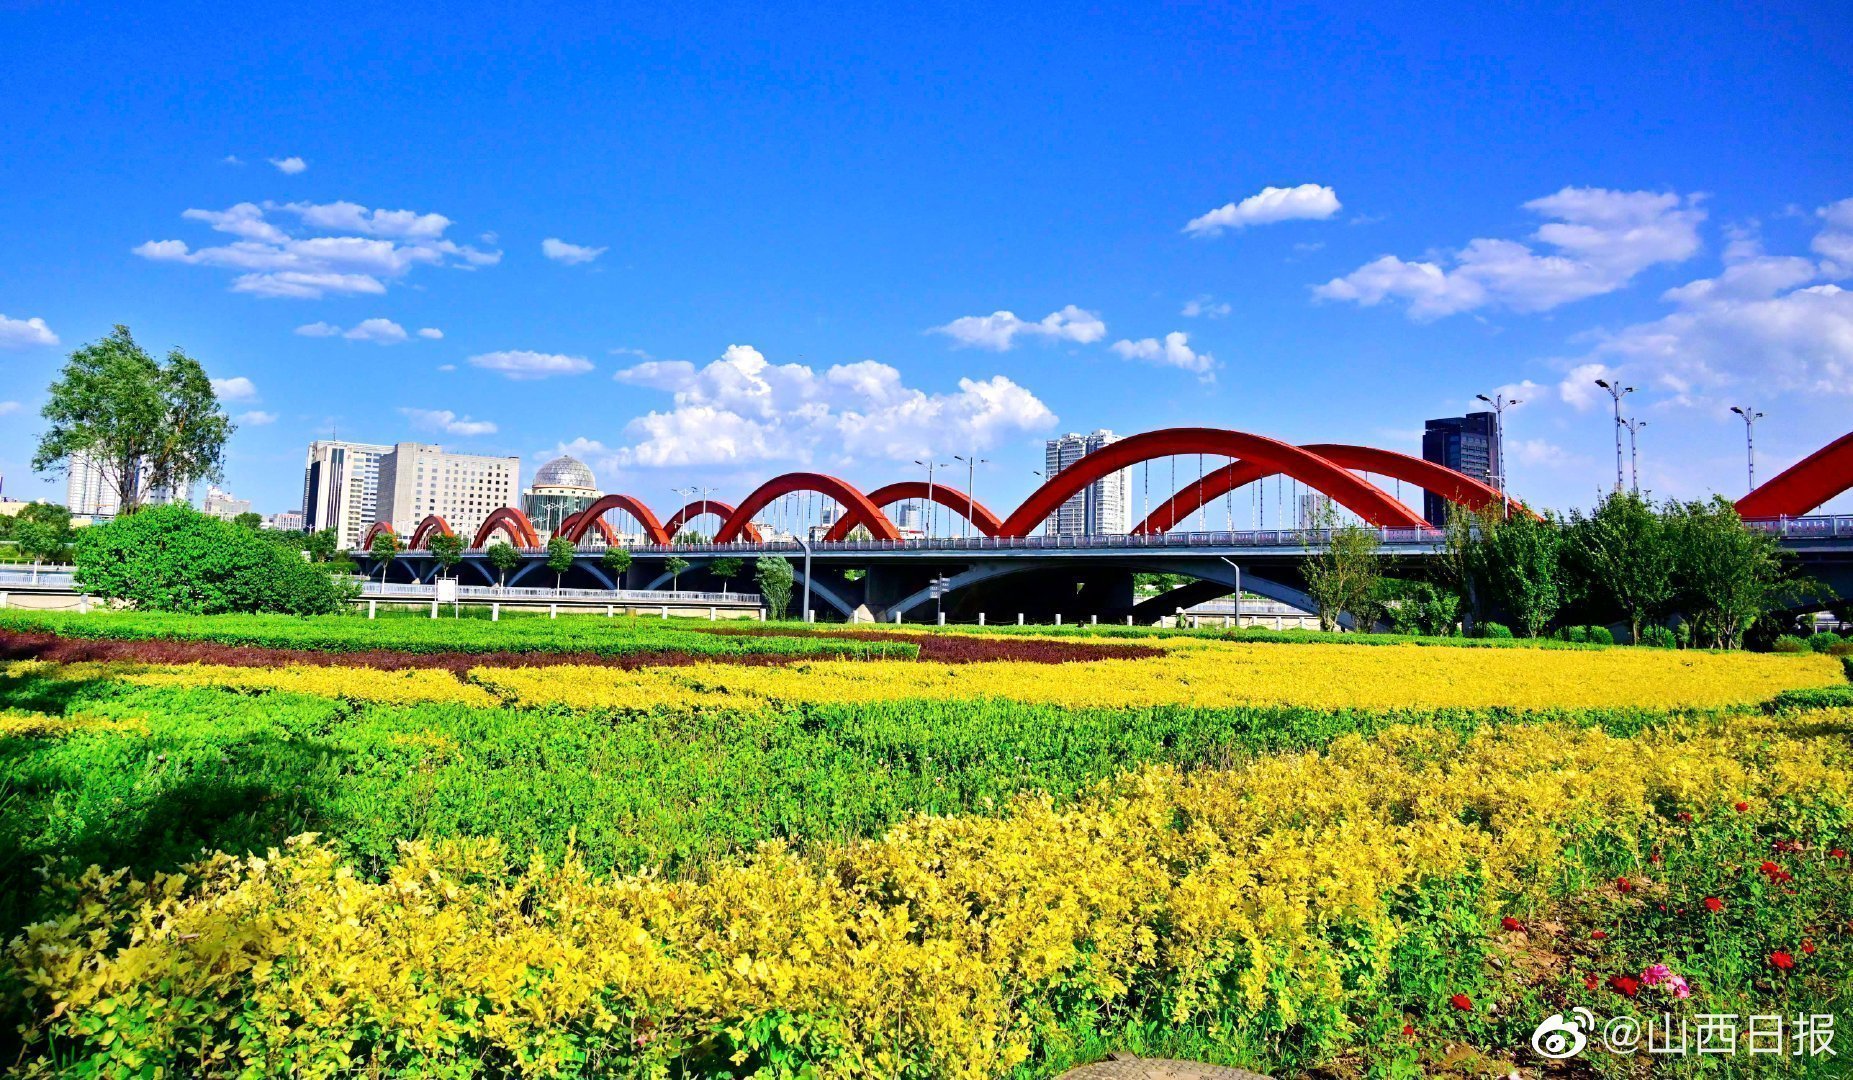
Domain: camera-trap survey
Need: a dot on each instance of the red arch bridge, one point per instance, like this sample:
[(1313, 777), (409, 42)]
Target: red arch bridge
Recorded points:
[(1006, 565)]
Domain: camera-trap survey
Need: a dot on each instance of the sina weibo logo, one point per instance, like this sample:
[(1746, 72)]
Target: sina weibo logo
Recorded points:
[(1557, 1038)]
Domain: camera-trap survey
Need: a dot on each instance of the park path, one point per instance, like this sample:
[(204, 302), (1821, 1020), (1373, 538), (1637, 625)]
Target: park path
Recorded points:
[(1128, 1067)]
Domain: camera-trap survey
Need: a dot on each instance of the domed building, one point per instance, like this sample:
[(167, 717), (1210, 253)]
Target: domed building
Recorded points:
[(561, 488)]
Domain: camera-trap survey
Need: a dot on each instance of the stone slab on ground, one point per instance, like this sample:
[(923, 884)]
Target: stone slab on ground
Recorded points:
[(1128, 1067)]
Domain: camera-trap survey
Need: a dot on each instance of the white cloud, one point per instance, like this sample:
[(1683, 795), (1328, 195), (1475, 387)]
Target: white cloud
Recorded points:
[(527, 364), (341, 248), (1173, 351), (448, 422), (25, 333), (1836, 240), (1205, 307), (571, 254), (231, 159), (1603, 239), (1271, 204), (447, 367), (999, 330), (9, 407), (1543, 453), (431, 333), (318, 329), (1578, 388), (257, 418), (1779, 322), (378, 331), (236, 388), (744, 409), (289, 166)]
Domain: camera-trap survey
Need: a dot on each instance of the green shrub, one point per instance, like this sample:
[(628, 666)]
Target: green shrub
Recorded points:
[(1824, 641), (1599, 635), (1574, 633), (1491, 629), (172, 558), (1789, 643), (1658, 637)]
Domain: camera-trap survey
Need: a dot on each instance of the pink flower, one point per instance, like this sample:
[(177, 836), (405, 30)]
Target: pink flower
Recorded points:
[(1656, 975), (1677, 984)]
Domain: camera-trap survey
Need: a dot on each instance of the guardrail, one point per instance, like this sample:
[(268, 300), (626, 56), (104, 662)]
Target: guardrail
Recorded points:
[(46, 578), (653, 598)]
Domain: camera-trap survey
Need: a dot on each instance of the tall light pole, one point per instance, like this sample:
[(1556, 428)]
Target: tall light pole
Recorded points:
[(1500, 404), (1634, 426), (1751, 416), (1616, 391), (930, 466), (971, 479)]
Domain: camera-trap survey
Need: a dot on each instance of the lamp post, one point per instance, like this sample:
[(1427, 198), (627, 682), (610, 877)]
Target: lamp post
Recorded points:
[(930, 466), (1751, 416), (1500, 404), (1616, 391), (1634, 426), (971, 480)]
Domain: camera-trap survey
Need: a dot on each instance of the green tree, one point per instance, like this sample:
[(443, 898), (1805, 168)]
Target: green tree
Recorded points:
[(145, 424), (503, 556), (726, 569), (774, 576), (447, 549), (675, 564), (1461, 562), (1341, 576), (560, 555), (250, 519), (321, 545), (384, 549), (173, 558), (1620, 559), (617, 560), (1523, 568), (1727, 575)]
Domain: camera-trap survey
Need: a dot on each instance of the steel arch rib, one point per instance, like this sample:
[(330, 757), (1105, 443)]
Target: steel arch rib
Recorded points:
[(652, 528), (1804, 485), (707, 506), (603, 526), (377, 528), (1368, 501), (951, 498), (1456, 487), (857, 509), (511, 521), (421, 536)]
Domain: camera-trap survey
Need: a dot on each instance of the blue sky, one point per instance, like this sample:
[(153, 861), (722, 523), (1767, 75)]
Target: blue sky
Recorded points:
[(781, 239)]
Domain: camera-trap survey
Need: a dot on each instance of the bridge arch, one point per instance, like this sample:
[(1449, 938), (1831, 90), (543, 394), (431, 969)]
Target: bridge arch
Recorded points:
[(951, 498), (421, 536), (582, 522), (707, 506), (857, 509), (599, 523), (1804, 485), (512, 523), (1455, 487), (1373, 504), (378, 527)]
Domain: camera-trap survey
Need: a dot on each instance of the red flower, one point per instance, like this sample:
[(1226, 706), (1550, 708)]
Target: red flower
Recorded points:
[(1461, 1002), (1781, 960), (1509, 923), (1656, 859), (1408, 1029), (1625, 985), (1599, 935), (1713, 904), (1838, 853), (1624, 884), (1683, 816), (1590, 981), (1741, 807), (1807, 948), (1776, 874)]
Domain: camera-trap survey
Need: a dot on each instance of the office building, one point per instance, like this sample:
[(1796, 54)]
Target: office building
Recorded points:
[(1104, 506), (561, 488), (341, 489), (223, 505), (417, 480), (286, 521), (1316, 510), (1467, 444), (91, 491)]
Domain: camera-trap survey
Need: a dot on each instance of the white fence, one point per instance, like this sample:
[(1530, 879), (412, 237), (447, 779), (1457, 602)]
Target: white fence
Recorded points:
[(646, 597)]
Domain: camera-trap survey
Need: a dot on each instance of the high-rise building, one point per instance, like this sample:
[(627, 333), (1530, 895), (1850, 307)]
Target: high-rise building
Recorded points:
[(91, 491), (1467, 444), (1316, 509), (561, 488), (417, 480), (1104, 506), (341, 489), (222, 504), (285, 521)]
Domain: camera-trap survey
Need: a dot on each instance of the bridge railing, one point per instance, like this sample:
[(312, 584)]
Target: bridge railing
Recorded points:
[(42, 577), (1817, 527), (650, 597)]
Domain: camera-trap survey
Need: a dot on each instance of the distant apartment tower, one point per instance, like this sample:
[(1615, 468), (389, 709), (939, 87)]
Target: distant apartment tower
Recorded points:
[(223, 505), (1316, 510), (1104, 506), (341, 489), (417, 480), (1467, 444), (285, 521), (90, 488)]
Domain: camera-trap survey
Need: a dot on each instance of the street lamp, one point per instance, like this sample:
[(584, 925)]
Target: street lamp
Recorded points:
[(1500, 404), (971, 481), (1751, 416), (1634, 427), (930, 466), (1616, 391)]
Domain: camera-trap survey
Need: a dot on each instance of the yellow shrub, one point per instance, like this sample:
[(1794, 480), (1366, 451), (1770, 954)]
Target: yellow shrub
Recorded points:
[(403, 687)]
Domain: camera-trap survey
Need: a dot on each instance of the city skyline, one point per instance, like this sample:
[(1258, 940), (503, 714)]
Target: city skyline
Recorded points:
[(834, 270)]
